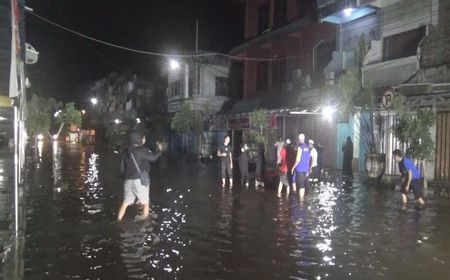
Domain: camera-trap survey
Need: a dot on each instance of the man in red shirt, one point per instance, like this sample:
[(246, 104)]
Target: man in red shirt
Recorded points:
[(283, 171)]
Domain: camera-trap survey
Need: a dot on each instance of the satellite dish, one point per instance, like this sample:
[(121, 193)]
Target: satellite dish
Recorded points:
[(31, 55)]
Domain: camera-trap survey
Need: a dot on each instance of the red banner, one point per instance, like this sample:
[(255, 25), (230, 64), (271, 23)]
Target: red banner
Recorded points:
[(240, 123)]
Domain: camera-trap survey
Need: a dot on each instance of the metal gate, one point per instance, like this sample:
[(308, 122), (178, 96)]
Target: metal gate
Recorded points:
[(442, 170)]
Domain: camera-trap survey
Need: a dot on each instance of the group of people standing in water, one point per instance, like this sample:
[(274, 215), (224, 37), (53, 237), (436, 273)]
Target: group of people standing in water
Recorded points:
[(301, 165), (297, 166)]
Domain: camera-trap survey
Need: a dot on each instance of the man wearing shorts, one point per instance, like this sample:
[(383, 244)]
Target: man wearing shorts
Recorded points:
[(411, 179), (133, 187), (283, 171), (301, 166), (226, 161), (314, 169)]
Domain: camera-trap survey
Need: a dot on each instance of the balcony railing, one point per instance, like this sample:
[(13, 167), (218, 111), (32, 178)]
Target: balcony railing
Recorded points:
[(390, 73)]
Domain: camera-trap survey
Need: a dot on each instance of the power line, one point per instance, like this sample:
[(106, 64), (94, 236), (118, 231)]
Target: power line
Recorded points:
[(233, 57), (166, 55)]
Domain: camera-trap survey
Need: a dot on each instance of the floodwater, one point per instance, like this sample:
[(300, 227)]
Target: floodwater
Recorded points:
[(202, 231)]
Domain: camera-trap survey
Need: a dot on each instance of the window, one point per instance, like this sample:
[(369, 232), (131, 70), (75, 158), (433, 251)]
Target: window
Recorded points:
[(175, 89), (403, 44), (263, 18), (221, 86), (280, 12), (278, 73), (261, 75)]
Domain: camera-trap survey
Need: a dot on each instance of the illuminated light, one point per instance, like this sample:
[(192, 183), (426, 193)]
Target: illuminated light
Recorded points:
[(55, 137), (83, 112), (40, 146), (40, 137), (304, 112), (348, 12), (138, 120), (94, 100), (174, 64), (3, 118), (328, 112), (116, 121)]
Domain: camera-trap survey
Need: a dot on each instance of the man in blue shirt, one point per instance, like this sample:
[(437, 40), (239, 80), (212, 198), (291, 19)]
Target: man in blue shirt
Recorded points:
[(301, 166), (411, 178)]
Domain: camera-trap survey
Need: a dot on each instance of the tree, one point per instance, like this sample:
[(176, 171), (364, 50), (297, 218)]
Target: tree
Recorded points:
[(413, 130), (259, 133), (186, 120), (69, 115), (39, 111)]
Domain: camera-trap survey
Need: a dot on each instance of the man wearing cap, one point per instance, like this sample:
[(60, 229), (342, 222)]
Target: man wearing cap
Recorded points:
[(314, 169), (133, 163)]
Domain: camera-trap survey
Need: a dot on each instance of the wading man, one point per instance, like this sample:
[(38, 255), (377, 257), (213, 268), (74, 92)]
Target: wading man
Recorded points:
[(301, 166), (136, 170), (226, 161), (411, 179), (283, 171)]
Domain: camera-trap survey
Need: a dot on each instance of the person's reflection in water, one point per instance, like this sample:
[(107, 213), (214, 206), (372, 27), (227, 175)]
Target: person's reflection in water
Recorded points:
[(137, 243)]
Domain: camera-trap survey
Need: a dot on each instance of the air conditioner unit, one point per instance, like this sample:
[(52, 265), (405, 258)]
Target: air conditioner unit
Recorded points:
[(297, 75)]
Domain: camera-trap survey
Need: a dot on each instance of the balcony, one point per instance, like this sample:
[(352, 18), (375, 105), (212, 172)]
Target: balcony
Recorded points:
[(343, 11), (380, 3), (390, 73)]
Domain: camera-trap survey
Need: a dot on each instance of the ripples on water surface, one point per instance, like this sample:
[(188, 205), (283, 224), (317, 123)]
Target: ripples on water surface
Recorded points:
[(202, 231)]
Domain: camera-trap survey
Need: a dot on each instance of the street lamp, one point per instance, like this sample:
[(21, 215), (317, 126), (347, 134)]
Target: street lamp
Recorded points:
[(94, 101), (116, 121), (174, 64), (348, 11), (83, 111), (328, 112)]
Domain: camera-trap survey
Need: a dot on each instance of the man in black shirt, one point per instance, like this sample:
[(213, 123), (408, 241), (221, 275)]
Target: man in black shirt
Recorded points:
[(133, 186), (226, 161), (243, 165)]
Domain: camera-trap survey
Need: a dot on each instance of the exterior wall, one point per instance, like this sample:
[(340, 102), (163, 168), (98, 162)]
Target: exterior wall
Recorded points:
[(390, 73), (435, 48), (299, 44), (400, 17), (293, 8), (406, 15), (347, 42)]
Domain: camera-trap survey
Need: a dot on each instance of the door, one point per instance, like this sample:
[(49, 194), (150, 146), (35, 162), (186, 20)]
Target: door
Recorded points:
[(442, 170)]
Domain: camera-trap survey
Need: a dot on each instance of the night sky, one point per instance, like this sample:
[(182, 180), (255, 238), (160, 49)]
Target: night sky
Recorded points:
[(67, 63)]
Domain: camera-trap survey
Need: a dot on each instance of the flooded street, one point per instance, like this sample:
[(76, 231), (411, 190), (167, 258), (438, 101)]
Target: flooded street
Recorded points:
[(202, 231)]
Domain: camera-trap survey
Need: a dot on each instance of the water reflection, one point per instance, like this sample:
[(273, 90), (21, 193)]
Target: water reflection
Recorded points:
[(57, 165), (154, 247), (342, 231)]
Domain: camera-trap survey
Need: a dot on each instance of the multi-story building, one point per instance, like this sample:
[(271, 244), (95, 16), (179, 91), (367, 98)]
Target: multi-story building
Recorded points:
[(282, 62), (203, 83), (408, 53), (127, 101), (412, 58)]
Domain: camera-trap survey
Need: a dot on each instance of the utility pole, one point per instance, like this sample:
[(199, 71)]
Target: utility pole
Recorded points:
[(196, 87)]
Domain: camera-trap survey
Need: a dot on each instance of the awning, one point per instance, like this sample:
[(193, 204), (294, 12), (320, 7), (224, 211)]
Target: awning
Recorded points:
[(349, 14), (267, 102)]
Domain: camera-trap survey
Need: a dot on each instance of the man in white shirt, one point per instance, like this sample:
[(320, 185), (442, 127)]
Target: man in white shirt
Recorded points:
[(313, 168)]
